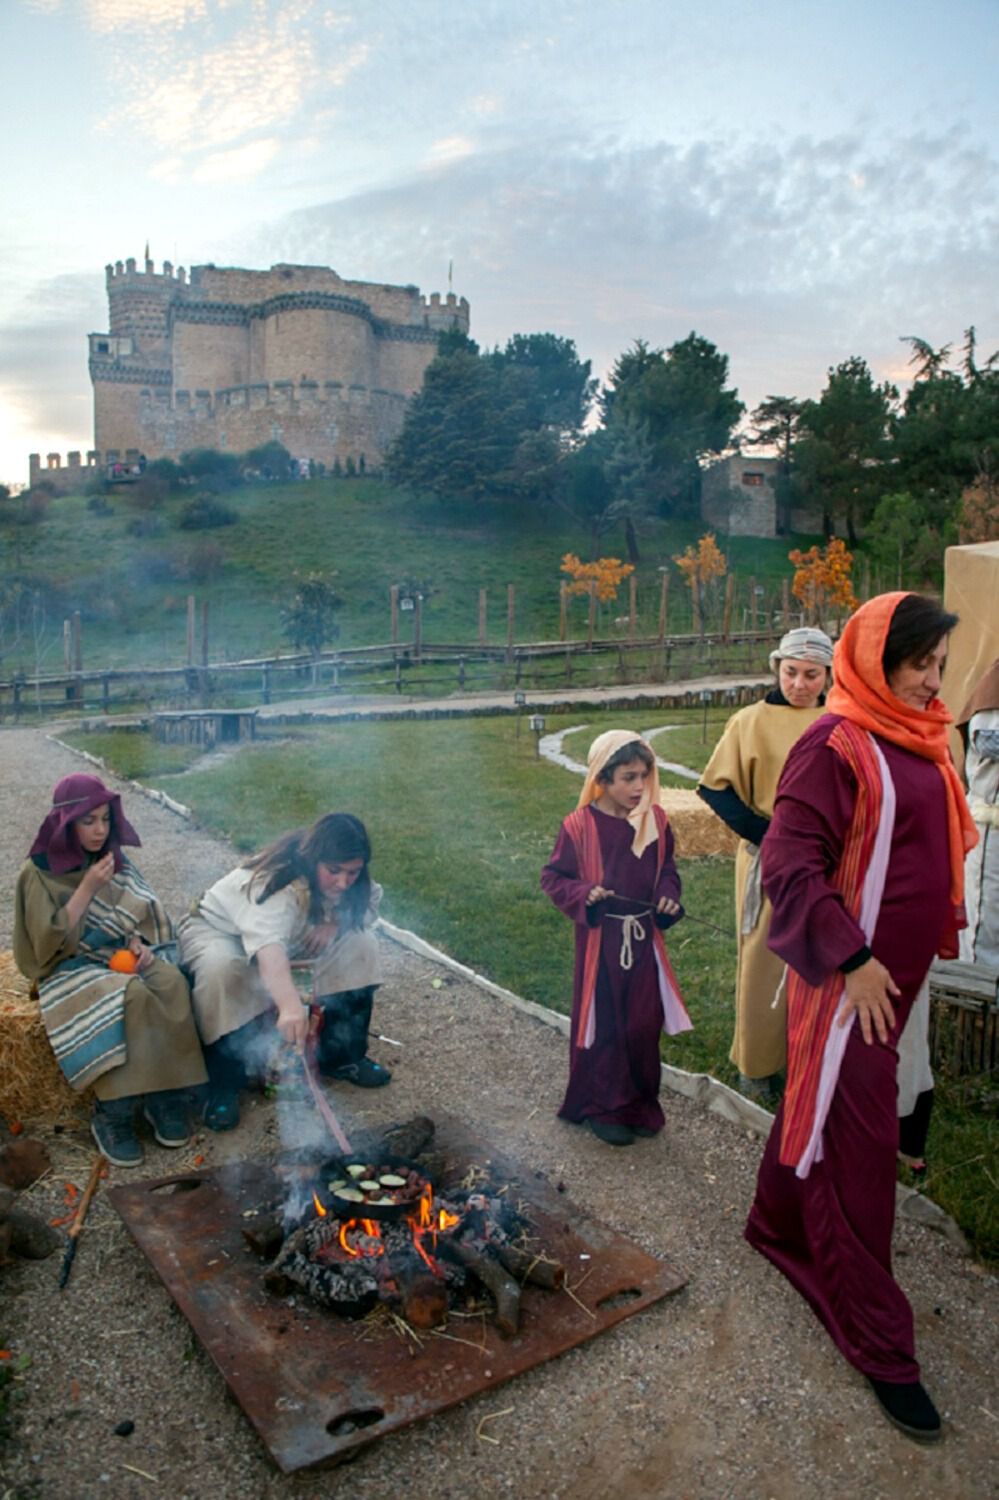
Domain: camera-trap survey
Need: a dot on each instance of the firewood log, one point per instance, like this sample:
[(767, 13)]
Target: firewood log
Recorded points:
[(423, 1296), (533, 1268), (408, 1138), (30, 1236), (265, 1235), (505, 1291)]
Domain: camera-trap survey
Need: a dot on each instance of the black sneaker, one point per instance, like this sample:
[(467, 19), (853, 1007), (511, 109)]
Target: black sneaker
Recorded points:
[(221, 1110), (165, 1112), (367, 1074), (611, 1134), (909, 1407), (113, 1129)]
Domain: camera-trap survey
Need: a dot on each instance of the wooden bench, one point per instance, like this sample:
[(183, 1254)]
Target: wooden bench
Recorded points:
[(964, 1017)]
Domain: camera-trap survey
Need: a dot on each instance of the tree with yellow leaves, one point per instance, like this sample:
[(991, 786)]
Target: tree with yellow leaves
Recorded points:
[(823, 579), (702, 566), (604, 576)]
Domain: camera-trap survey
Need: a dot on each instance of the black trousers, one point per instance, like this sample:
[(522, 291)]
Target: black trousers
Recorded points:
[(343, 1037)]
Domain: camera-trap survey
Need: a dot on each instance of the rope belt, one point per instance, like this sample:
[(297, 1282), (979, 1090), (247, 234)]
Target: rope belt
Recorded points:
[(632, 931)]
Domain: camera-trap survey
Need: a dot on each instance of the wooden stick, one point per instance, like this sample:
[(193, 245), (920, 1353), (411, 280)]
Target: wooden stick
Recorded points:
[(81, 1213)]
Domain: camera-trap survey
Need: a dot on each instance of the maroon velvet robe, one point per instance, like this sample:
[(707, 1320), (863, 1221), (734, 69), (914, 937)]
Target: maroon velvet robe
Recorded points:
[(616, 1081), (830, 1233)]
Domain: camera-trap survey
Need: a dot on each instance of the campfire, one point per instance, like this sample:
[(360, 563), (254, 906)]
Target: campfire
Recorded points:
[(380, 1227)]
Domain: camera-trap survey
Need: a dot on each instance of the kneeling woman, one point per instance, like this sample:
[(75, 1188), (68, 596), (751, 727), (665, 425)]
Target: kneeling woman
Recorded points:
[(130, 1035), (306, 896)]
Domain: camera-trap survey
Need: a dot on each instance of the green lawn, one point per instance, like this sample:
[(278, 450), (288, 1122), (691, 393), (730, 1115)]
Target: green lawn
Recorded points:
[(131, 589), (462, 816)]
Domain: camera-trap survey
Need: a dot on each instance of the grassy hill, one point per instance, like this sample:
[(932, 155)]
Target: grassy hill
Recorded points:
[(129, 570)]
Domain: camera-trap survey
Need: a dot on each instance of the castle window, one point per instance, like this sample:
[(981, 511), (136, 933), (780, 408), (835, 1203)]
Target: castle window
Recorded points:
[(103, 347), (752, 478)]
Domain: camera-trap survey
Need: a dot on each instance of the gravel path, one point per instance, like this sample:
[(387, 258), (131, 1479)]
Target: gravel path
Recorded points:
[(729, 1389)]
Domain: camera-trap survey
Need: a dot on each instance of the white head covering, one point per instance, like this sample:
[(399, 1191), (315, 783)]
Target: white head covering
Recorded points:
[(804, 643), (642, 819)]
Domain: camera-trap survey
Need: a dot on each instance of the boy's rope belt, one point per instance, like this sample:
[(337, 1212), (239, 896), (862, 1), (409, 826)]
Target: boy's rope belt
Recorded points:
[(632, 931)]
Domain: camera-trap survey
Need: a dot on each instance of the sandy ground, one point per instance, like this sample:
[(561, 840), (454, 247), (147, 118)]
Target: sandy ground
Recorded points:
[(729, 1389)]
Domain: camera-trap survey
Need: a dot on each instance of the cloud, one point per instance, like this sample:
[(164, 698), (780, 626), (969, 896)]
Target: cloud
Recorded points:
[(790, 256), (106, 16), (237, 165)]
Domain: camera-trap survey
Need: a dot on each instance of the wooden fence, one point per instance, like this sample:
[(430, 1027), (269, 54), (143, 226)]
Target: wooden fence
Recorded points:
[(430, 669)]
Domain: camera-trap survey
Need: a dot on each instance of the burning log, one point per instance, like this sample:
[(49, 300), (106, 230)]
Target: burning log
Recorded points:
[(494, 1277), (527, 1266), (409, 1139), (266, 1236), (422, 1295)]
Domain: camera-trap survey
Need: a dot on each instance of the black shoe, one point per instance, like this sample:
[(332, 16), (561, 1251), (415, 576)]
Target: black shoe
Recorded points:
[(113, 1129), (221, 1110), (909, 1407), (366, 1074), (612, 1135), (645, 1131), (166, 1113)]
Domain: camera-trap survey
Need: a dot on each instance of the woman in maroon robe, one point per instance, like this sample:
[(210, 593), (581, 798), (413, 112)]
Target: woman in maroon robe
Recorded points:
[(613, 874), (862, 863)]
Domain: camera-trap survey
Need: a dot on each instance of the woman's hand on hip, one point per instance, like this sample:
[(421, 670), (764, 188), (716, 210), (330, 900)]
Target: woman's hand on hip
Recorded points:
[(869, 993)]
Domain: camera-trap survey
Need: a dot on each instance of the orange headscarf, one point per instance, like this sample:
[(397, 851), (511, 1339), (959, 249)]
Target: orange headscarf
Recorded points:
[(861, 694)]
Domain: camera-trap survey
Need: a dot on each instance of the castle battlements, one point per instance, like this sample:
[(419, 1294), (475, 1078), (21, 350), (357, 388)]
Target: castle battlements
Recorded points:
[(227, 357)]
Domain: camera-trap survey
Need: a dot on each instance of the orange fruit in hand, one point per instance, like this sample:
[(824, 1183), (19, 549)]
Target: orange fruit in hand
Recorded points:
[(123, 961)]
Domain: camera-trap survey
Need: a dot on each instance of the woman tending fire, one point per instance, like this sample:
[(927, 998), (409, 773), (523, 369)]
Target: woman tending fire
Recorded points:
[(308, 895)]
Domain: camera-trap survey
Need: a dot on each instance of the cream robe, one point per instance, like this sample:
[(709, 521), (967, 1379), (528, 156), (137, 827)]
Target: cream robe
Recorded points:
[(749, 758)]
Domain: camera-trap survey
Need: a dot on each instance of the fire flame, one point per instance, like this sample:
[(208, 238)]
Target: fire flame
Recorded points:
[(357, 1227), (320, 1210)]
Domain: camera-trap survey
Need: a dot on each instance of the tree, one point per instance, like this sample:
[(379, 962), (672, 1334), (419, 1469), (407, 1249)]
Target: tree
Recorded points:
[(775, 425), (563, 387), (844, 444), (703, 567), (309, 620), (271, 459), (822, 577), (681, 400), (902, 538)]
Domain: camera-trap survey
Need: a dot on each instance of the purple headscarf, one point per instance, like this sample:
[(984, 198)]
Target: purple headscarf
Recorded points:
[(73, 797)]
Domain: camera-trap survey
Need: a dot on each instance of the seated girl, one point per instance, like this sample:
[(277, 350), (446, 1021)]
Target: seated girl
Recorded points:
[(80, 900), (613, 874), (306, 896)]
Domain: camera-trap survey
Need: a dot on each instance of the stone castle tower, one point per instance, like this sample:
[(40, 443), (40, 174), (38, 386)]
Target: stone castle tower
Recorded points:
[(230, 359)]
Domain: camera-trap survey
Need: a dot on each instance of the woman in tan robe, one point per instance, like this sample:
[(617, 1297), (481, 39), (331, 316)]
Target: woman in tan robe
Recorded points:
[(739, 784), (80, 903)]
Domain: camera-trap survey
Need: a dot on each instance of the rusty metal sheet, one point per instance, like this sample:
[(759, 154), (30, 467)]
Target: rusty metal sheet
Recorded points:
[(313, 1388)]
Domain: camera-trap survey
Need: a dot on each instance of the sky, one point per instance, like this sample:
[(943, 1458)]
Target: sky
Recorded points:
[(799, 182)]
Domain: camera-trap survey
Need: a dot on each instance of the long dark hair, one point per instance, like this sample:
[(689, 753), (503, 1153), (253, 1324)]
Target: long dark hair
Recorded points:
[(917, 628), (330, 840)]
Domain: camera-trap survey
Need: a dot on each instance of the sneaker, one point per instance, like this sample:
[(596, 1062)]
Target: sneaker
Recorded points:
[(165, 1112), (113, 1129), (611, 1134), (367, 1074), (221, 1110), (907, 1405)]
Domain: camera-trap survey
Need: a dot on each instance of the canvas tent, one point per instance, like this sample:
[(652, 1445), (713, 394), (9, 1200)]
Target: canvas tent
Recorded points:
[(971, 590)]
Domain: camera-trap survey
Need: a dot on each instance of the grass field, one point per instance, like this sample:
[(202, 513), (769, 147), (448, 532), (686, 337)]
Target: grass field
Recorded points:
[(462, 816), (131, 589)]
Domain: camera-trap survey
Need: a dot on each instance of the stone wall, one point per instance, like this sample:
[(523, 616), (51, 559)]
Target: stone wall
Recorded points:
[(232, 358), (738, 497)]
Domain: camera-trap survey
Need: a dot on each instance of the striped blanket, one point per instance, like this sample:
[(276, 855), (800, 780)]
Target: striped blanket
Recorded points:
[(82, 1000)]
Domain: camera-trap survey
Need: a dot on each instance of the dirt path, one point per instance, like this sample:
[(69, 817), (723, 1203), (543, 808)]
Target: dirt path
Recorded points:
[(729, 1389)]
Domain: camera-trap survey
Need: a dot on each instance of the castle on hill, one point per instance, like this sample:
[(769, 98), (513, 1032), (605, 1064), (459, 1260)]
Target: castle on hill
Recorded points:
[(230, 359)]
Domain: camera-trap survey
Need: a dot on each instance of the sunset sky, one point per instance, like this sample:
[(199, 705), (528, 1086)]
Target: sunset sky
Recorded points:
[(797, 181)]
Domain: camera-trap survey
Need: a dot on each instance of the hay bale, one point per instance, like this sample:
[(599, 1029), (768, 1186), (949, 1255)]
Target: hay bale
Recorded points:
[(32, 1086), (697, 830)]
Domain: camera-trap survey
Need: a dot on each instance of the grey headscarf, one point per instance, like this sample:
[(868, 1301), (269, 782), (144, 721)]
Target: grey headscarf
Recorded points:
[(804, 643)]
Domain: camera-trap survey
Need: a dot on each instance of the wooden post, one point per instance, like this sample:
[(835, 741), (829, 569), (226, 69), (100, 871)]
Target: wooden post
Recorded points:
[(483, 632), (417, 626), (563, 610), (785, 603), (78, 656), (727, 612), (190, 630), (592, 619), (394, 613), (510, 604), (696, 621), (106, 693), (663, 603), (265, 683), (752, 603), (67, 646), (204, 632), (632, 606)]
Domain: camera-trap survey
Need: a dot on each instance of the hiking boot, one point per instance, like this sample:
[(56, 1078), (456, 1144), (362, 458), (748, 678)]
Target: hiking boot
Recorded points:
[(221, 1110), (166, 1112), (113, 1129), (366, 1074), (907, 1405), (611, 1134)]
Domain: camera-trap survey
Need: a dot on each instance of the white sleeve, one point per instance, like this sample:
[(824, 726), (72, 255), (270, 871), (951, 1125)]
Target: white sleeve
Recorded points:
[(276, 920)]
